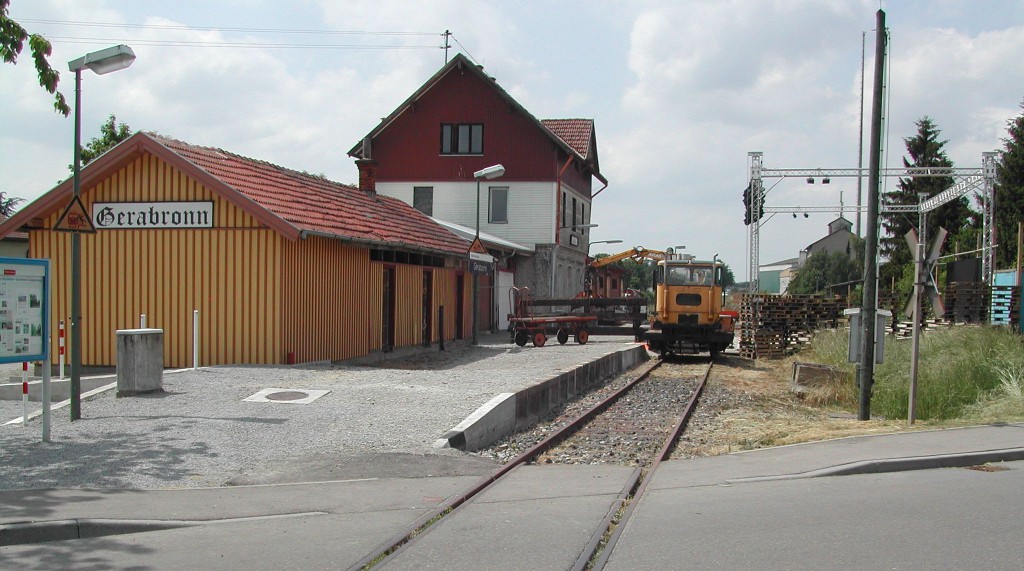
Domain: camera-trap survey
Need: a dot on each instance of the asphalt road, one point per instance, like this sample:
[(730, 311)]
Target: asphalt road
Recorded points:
[(949, 518)]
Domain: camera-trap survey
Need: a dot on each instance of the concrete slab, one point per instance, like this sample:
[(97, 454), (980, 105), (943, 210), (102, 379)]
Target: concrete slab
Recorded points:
[(537, 517), (327, 541), (844, 455), (59, 389), (932, 519), (353, 496)]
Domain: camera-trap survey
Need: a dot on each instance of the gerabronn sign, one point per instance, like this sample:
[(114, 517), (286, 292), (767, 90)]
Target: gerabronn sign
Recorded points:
[(141, 215)]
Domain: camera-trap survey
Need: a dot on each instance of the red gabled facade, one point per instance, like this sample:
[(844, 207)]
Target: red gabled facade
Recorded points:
[(406, 154), (407, 144)]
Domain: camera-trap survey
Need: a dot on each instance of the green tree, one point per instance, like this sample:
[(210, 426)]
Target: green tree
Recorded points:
[(639, 275), (925, 150), (8, 204), (728, 278), (110, 135), (822, 270), (12, 42), (1009, 192)]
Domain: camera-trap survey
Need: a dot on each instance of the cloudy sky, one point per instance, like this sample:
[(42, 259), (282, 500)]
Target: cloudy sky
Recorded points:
[(680, 91)]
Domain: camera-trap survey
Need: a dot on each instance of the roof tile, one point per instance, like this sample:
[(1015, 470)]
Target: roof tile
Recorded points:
[(575, 132), (315, 204)]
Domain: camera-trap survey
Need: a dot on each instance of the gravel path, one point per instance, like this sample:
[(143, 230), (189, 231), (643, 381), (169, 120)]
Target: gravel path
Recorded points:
[(200, 431)]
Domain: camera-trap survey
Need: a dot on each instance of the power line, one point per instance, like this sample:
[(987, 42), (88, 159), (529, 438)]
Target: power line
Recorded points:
[(227, 44), (464, 49), (224, 29)]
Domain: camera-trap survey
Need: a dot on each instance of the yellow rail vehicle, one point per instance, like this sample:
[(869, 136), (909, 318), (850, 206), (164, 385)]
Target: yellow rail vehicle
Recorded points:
[(688, 315)]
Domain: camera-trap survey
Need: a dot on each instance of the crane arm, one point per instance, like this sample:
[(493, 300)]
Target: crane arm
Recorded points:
[(636, 254)]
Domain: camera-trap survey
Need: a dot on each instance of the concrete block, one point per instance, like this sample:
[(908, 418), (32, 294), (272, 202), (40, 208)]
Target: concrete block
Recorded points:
[(510, 412), (140, 361), (487, 424), (808, 375)]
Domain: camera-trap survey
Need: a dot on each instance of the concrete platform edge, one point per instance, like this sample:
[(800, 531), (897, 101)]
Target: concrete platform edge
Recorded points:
[(508, 412)]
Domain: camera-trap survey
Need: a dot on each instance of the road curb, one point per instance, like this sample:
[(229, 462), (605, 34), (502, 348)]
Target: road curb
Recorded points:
[(81, 528), (64, 529), (904, 464)]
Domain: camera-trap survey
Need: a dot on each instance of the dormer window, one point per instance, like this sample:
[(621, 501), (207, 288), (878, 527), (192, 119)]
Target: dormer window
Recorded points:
[(462, 139)]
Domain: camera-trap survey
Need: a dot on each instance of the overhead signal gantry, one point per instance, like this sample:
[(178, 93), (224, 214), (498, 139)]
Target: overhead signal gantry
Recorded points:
[(967, 179)]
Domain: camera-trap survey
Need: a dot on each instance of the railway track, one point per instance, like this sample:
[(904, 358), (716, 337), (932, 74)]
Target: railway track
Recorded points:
[(636, 425)]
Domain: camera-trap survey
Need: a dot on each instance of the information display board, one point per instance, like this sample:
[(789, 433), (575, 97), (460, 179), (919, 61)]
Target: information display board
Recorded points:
[(24, 310)]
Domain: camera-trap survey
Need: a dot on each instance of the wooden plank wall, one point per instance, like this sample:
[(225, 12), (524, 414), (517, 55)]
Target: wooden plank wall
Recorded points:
[(327, 286), (229, 273), (374, 302), (409, 305), (444, 296)]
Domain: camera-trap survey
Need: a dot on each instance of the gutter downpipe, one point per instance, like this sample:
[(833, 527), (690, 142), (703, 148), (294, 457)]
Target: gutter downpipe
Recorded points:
[(558, 224)]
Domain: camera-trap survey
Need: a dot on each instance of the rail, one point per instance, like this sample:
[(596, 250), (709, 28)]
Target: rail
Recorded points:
[(596, 554)]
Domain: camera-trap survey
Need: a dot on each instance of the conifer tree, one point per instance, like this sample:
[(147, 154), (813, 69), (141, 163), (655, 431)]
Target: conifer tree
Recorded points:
[(924, 150), (1009, 192)]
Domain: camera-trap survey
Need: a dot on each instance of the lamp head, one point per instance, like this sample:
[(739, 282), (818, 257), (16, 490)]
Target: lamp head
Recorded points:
[(104, 61), (490, 172)]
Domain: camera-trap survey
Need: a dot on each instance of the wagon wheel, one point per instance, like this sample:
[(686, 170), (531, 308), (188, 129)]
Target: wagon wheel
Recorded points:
[(563, 336), (539, 339), (521, 338), (582, 336)]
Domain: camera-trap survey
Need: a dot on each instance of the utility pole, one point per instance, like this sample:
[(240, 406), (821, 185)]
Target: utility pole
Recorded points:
[(860, 135), (866, 371), (915, 342)]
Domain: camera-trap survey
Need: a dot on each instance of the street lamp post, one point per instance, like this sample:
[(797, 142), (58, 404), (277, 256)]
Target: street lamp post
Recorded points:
[(589, 244), (489, 173), (100, 62), (589, 273)]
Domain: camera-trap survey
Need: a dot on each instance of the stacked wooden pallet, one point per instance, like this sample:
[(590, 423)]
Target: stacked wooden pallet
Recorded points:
[(1015, 309), (1002, 304), (905, 329), (967, 302), (773, 326)]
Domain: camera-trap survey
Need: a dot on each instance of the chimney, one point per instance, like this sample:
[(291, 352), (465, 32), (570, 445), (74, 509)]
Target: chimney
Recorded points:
[(368, 177)]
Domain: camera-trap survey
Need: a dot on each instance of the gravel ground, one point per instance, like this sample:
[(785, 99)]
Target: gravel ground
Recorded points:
[(199, 432)]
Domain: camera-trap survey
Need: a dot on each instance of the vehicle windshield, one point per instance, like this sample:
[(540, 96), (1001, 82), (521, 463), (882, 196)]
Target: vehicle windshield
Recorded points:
[(689, 275)]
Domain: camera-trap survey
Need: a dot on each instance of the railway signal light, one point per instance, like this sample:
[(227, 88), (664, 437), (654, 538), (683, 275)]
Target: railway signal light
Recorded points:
[(748, 197), (746, 206)]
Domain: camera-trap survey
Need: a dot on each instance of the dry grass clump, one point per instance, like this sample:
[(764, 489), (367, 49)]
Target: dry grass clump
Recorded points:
[(749, 405)]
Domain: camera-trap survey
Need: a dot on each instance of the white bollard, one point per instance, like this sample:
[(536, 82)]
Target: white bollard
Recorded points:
[(195, 338), (60, 348), (24, 394), (142, 321)]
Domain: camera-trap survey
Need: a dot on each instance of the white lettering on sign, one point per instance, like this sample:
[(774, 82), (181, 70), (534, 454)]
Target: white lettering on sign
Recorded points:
[(141, 215)]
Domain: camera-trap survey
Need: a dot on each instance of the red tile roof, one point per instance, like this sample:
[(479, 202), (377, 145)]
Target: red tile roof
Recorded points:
[(576, 133), (317, 205), (289, 202)]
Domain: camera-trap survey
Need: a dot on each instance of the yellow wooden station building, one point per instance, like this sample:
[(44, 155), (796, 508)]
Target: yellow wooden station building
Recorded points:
[(282, 266)]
